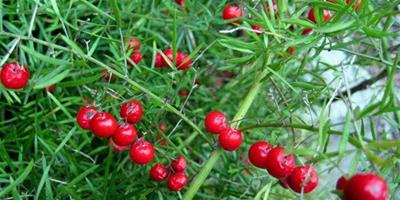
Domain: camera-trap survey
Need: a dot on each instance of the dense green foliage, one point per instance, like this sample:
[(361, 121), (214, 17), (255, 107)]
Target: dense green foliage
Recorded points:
[(45, 155)]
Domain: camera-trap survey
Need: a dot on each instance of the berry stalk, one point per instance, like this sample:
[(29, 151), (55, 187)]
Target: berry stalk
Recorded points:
[(212, 160)]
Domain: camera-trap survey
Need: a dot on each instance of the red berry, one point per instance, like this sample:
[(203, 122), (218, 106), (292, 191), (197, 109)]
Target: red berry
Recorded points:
[(177, 181), (124, 135), (169, 54), (215, 122), (158, 172), (180, 2), (303, 178), (14, 75), (311, 15), (183, 93), (49, 89), (136, 57), (164, 143), (366, 187), (162, 127), (134, 44), (230, 139), (291, 50), (341, 183), (142, 152), (116, 147), (183, 61), (258, 153), (131, 111), (179, 164), (232, 12), (103, 124), (85, 114), (274, 7), (159, 61), (257, 29), (307, 31), (279, 163)]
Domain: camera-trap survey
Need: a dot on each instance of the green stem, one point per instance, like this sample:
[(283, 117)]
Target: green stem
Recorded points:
[(244, 107)]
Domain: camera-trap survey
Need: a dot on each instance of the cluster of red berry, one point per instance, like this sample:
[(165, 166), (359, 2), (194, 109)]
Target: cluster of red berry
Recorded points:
[(177, 178), (233, 12), (283, 167), (366, 186), (121, 136), (263, 155), (229, 138), (136, 56), (104, 125)]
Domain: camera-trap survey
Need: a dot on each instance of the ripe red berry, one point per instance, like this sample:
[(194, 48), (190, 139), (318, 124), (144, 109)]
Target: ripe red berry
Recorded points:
[(274, 7), (258, 153), (366, 187), (232, 12), (303, 179), (341, 183), (14, 76), (131, 111), (136, 57), (180, 2), (158, 172), (103, 124), (230, 139), (179, 164), (162, 127), (183, 61), (134, 44), (159, 61), (142, 152), (279, 163), (116, 147), (307, 31), (183, 93), (215, 122), (84, 115), (169, 54), (257, 29), (291, 50), (311, 15), (124, 135), (177, 181)]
